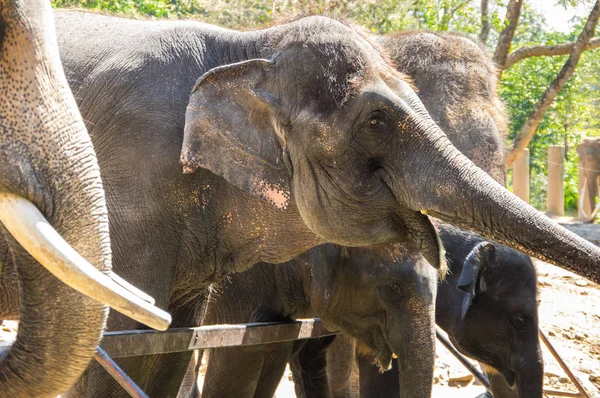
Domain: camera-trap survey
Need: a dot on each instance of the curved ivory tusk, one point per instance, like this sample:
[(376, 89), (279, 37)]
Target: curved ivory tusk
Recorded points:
[(132, 289), (31, 229)]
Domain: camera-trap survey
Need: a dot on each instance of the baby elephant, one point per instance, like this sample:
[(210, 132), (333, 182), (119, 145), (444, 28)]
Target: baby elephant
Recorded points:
[(488, 307), (384, 297)]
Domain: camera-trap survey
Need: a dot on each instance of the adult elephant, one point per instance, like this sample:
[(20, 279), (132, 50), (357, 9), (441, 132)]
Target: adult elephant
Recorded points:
[(300, 134), (457, 83), (50, 194), (589, 172)]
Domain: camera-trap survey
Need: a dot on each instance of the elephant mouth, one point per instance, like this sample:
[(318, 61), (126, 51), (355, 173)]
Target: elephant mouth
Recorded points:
[(377, 349)]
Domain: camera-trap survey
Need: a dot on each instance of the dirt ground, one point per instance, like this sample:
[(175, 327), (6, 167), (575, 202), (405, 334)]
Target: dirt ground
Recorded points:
[(569, 315)]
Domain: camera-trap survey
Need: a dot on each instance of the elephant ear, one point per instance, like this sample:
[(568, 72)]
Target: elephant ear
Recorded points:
[(477, 261), (423, 234), (233, 129)]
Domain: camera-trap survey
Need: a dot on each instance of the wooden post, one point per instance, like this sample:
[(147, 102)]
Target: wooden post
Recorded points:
[(521, 176), (556, 191), (585, 207)]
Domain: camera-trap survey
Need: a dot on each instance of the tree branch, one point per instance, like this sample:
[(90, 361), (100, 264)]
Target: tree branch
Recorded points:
[(528, 129), (485, 22), (513, 12), (545, 51), (458, 7)]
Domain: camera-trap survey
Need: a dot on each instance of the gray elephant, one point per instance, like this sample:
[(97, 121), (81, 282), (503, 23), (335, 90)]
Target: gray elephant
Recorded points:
[(457, 84), (589, 172), (488, 307), (300, 134), (384, 297), (50, 194)]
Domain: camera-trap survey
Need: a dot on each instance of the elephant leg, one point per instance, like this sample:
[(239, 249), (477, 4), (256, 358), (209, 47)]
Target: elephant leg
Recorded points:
[(276, 357), (340, 366), (309, 368), (233, 372), (374, 384)]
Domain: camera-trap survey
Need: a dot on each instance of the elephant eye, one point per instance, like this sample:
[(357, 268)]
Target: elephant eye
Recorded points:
[(397, 288), (392, 293), (519, 322), (376, 120)]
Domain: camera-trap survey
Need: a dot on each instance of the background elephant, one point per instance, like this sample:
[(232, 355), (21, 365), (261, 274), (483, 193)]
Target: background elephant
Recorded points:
[(488, 307), (383, 297), (458, 84), (300, 134), (589, 170)]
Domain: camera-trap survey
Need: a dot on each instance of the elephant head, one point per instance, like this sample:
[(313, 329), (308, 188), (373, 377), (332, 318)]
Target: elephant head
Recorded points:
[(458, 85), (50, 194), (589, 173), (384, 297), (325, 125), (488, 306)]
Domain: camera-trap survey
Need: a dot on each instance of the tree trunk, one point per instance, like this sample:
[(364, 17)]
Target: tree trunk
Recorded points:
[(513, 12), (485, 22), (528, 129)]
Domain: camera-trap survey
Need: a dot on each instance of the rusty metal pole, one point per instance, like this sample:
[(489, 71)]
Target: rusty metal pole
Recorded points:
[(563, 365), (118, 374), (521, 176), (556, 190), (464, 361)]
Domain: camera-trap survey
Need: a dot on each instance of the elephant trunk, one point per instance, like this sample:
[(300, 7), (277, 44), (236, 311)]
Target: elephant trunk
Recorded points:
[(48, 171), (414, 344), (47, 160), (590, 191), (447, 185)]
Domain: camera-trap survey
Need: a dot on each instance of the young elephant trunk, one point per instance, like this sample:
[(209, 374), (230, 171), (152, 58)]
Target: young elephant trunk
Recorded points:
[(450, 187), (414, 344), (416, 362)]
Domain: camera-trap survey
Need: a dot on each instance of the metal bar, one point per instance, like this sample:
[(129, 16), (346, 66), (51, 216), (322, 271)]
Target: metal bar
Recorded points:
[(118, 374), (482, 379), (563, 365), (148, 342), (555, 393)]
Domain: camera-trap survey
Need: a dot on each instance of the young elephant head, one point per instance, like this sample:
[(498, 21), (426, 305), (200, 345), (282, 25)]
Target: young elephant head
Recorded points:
[(323, 124), (385, 298), (488, 306), (51, 194)]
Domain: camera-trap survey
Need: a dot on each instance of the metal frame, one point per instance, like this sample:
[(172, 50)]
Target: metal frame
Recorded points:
[(148, 342)]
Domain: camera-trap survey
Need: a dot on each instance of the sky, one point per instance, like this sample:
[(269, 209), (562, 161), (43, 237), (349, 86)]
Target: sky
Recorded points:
[(557, 17)]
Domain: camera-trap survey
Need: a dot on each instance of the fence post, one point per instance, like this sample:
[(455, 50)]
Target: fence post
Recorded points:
[(521, 176), (555, 199), (585, 207)]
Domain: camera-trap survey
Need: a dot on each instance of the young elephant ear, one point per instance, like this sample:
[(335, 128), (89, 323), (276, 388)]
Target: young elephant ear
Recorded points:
[(475, 264), (232, 128)]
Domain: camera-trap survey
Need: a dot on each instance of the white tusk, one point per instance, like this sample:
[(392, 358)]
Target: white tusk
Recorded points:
[(31, 229), (128, 286)]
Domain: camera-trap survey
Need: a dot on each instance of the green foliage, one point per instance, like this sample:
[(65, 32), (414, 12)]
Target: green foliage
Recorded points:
[(575, 113)]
